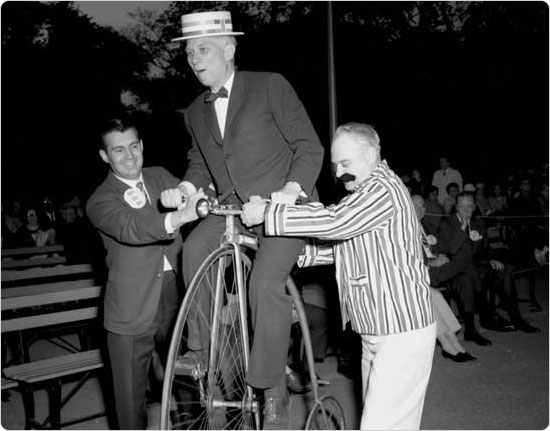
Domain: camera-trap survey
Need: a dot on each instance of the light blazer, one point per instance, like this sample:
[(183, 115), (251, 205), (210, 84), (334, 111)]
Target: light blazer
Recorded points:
[(135, 240), (268, 139)]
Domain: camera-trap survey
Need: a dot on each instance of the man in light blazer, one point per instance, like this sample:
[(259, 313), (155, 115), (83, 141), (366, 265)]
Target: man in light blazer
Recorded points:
[(143, 244), (250, 136)]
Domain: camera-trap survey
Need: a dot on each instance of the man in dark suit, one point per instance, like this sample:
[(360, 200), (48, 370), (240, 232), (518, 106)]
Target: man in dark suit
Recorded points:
[(143, 243), (461, 239), (250, 136)]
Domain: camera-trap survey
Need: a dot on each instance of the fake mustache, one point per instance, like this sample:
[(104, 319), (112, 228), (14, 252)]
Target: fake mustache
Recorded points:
[(347, 178)]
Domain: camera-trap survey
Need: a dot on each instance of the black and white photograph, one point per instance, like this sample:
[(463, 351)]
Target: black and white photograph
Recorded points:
[(275, 215)]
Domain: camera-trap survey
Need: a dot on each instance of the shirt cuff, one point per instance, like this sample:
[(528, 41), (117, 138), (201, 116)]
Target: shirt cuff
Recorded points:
[(297, 187), (168, 225), (187, 188)]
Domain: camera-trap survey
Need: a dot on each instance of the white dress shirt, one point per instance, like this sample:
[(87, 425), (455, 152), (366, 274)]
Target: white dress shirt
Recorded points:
[(222, 103)]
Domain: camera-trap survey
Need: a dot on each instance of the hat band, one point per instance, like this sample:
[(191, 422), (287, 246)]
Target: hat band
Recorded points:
[(207, 22), (205, 32)]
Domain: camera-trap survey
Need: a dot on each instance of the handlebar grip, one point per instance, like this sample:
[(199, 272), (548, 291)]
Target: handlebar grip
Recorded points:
[(203, 207)]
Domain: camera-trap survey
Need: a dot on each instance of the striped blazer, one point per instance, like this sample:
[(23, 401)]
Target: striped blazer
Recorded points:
[(374, 239)]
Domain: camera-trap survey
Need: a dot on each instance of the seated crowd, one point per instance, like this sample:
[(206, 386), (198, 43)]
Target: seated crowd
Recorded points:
[(39, 223), (472, 249)]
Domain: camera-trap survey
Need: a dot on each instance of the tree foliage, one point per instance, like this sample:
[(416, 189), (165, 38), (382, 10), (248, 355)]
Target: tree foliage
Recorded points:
[(423, 72)]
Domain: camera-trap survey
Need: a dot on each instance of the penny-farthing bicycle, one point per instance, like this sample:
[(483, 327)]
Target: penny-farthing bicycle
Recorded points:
[(211, 392)]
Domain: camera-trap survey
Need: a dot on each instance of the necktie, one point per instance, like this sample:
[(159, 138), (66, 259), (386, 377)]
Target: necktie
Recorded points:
[(141, 187), (210, 97)]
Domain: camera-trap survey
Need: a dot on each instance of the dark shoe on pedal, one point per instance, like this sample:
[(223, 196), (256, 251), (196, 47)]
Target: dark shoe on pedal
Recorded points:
[(276, 414), (522, 325), (476, 338), (296, 383)]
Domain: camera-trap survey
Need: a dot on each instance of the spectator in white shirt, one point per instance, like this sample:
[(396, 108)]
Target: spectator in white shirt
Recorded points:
[(444, 176)]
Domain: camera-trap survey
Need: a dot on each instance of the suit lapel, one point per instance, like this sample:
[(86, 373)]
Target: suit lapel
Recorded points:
[(212, 122), (118, 185), (235, 102)]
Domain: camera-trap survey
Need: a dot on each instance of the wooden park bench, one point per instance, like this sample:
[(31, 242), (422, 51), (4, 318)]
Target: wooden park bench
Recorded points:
[(26, 257), (52, 308)]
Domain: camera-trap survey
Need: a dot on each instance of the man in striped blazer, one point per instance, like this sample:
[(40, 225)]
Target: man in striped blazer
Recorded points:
[(375, 244)]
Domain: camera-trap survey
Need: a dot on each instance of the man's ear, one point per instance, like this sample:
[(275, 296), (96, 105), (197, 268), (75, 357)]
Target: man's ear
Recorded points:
[(103, 155), (229, 52)]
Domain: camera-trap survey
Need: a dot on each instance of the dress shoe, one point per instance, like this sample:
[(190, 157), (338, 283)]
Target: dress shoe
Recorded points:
[(455, 358), (276, 411), (296, 383), (535, 306), (497, 323), (476, 338), (522, 325), (467, 357)]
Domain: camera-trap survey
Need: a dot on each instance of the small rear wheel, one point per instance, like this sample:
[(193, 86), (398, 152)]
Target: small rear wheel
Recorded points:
[(326, 414)]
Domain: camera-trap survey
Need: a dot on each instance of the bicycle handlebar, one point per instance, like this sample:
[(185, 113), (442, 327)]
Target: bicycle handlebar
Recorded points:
[(206, 206)]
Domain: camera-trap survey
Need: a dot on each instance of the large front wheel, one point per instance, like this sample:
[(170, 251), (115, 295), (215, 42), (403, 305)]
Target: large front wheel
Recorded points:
[(206, 389)]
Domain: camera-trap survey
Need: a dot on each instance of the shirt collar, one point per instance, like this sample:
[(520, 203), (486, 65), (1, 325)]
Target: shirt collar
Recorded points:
[(131, 183), (380, 168)]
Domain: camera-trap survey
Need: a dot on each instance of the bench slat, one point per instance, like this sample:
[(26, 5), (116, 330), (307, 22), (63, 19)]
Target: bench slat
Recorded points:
[(58, 366), (43, 261), (46, 288), (50, 298), (8, 384), (13, 275), (22, 323), (21, 251)]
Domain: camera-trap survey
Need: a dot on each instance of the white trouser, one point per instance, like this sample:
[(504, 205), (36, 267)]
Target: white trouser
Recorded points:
[(395, 370)]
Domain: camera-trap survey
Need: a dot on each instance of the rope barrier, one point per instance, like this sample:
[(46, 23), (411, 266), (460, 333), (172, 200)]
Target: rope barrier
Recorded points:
[(497, 217)]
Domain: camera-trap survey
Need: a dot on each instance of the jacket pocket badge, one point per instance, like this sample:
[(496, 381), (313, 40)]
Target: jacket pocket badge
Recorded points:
[(134, 197)]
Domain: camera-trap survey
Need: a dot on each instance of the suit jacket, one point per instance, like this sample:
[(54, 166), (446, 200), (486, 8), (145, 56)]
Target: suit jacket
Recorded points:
[(268, 139), (456, 243), (460, 263), (136, 241)]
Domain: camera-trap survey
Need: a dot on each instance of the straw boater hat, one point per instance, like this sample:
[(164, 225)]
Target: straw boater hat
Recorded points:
[(204, 24)]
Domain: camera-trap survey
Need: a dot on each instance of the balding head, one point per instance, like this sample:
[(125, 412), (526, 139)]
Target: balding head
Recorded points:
[(419, 206), (355, 153)]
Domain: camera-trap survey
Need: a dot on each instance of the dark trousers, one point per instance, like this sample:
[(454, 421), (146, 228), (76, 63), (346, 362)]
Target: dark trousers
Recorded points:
[(269, 303), (464, 286), (318, 328), (500, 283), (444, 273), (131, 355)]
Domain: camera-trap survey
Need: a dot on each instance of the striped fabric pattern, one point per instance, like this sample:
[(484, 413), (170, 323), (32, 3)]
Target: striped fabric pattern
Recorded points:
[(375, 244)]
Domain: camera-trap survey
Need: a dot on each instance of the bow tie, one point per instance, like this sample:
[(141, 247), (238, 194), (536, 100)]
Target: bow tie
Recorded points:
[(210, 97)]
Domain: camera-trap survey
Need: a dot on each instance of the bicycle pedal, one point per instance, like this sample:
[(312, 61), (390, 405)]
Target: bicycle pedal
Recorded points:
[(184, 366)]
